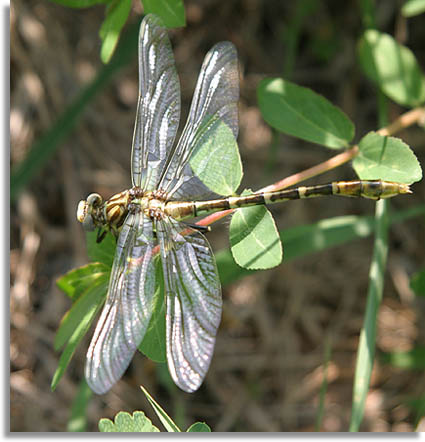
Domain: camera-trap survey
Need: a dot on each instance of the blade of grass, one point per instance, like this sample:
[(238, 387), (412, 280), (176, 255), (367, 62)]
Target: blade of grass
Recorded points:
[(324, 386), (366, 350), (168, 423), (43, 149)]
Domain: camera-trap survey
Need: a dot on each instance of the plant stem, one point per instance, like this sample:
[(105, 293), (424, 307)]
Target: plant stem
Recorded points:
[(407, 119)]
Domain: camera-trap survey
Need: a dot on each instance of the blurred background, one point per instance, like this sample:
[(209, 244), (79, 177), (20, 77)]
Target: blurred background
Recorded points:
[(267, 368)]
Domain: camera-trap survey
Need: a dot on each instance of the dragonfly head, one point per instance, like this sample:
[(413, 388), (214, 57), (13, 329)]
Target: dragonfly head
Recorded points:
[(88, 212)]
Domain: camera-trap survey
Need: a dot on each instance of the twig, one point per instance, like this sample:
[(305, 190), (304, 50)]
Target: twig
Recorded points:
[(409, 118)]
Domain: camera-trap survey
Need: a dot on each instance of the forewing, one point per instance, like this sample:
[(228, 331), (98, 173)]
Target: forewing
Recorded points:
[(125, 316), (214, 102), (193, 302), (158, 108)]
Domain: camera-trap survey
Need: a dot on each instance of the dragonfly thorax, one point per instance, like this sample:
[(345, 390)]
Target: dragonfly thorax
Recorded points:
[(151, 203)]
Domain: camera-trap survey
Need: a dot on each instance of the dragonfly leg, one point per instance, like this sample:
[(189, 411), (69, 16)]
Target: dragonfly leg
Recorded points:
[(202, 229), (100, 235)]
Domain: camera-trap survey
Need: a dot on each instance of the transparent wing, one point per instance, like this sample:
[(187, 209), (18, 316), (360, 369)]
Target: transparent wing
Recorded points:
[(214, 101), (158, 108), (193, 302), (125, 316)]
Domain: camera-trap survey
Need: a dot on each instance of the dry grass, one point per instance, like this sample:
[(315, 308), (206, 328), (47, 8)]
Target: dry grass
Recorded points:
[(268, 364)]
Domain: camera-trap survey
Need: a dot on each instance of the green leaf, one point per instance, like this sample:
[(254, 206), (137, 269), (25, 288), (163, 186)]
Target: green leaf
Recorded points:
[(254, 238), (417, 283), (90, 299), (304, 240), (79, 3), (199, 427), (116, 15), (95, 295), (216, 160), (408, 360), (300, 112), (78, 420), (386, 158), (104, 251), (126, 423), (153, 344), (168, 423), (76, 281), (171, 11), (392, 67), (413, 7)]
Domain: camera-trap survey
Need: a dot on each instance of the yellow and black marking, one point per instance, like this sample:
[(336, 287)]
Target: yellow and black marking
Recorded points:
[(110, 215), (116, 209), (372, 189)]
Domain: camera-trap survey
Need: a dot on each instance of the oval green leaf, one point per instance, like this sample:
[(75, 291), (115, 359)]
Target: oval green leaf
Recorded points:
[(254, 239), (199, 427), (300, 112), (312, 238), (216, 160), (386, 158), (411, 8), (171, 11), (392, 67)]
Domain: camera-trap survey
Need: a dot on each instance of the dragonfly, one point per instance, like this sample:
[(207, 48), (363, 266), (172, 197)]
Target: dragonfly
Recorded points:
[(149, 218)]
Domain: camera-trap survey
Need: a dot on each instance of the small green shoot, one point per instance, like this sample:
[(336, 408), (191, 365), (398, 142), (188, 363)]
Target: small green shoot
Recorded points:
[(126, 423)]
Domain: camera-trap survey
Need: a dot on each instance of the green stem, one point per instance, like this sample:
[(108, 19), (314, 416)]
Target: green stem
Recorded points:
[(367, 344)]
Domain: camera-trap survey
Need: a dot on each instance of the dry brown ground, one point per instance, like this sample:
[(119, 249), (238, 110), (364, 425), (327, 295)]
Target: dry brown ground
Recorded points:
[(267, 367)]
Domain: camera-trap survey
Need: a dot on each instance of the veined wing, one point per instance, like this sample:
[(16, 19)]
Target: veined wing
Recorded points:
[(193, 302), (214, 102), (125, 316), (158, 107)]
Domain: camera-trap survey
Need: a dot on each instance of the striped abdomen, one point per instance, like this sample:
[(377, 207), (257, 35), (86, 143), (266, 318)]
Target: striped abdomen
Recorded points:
[(366, 189)]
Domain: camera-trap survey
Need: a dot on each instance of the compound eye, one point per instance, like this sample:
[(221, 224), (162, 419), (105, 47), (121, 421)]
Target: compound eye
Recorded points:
[(94, 200), (88, 224), (82, 211)]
